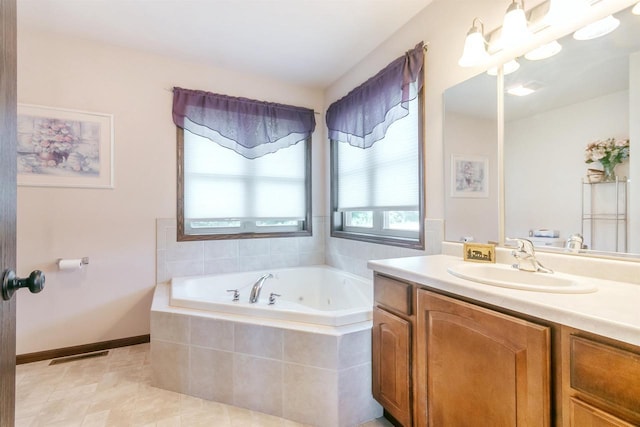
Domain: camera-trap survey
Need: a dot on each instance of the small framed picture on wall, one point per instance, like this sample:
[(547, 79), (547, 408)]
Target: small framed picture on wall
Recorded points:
[(469, 176)]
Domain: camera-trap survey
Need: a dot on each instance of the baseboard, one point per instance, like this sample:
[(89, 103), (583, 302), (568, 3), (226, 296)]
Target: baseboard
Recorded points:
[(79, 349)]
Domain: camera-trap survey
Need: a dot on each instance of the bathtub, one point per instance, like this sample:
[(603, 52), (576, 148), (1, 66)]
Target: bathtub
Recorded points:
[(319, 295), (306, 358)]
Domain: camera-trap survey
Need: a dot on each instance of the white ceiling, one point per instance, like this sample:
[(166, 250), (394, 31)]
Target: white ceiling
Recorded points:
[(308, 42)]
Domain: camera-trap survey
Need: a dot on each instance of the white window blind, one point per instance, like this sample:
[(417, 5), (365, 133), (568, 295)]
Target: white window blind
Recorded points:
[(386, 175), (219, 183)]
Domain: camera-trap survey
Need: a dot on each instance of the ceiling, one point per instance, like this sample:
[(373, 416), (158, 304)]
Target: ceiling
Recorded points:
[(306, 42)]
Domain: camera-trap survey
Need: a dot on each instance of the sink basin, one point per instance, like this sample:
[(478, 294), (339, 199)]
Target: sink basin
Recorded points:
[(508, 277)]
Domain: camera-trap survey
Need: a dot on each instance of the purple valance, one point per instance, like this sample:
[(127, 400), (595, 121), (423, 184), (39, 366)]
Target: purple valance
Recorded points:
[(362, 117), (250, 128)]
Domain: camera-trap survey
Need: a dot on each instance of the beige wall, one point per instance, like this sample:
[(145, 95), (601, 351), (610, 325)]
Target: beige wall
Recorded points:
[(116, 228)]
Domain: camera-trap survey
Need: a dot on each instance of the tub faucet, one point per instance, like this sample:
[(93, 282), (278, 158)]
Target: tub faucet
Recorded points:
[(257, 287), (525, 254)]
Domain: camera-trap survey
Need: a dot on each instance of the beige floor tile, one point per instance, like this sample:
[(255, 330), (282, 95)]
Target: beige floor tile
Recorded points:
[(115, 391)]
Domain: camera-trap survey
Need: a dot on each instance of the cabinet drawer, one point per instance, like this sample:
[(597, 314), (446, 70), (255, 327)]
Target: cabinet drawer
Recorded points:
[(583, 415), (606, 373), (392, 294)]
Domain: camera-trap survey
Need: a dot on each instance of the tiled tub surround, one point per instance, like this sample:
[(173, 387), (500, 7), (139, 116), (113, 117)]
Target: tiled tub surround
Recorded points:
[(316, 375), (353, 255), (174, 259)]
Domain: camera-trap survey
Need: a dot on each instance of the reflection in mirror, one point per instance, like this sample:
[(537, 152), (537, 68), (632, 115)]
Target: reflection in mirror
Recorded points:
[(589, 91), (470, 160)]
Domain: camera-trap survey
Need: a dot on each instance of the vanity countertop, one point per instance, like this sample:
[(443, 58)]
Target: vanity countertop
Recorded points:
[(612, 311)]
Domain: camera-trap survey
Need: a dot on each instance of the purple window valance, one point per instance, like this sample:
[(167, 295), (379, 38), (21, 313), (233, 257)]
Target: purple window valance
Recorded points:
[(250, 128), (363, 116)]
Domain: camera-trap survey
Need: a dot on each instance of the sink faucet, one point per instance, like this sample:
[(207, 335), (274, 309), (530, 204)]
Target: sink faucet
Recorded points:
[(525, 254), (257, 287), (574, 243)]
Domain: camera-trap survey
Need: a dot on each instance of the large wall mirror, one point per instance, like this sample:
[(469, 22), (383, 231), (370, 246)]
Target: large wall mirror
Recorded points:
[(589, 91)]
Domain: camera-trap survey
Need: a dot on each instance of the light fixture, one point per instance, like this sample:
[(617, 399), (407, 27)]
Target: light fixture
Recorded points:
[(475, 46), (562, 10), (636, 9), (597, 29), (520, 91), (507, 68), (543, 52), (515, 28)]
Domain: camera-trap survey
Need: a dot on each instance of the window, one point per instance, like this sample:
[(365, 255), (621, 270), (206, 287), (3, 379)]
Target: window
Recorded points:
[(222, 194), (244, 167), (376, 193)]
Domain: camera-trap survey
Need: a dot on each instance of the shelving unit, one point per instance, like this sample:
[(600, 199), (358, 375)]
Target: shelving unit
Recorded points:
[(604, 215)]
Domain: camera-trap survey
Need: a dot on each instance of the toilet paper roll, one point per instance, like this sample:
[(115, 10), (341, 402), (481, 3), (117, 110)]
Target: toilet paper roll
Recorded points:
[(70, 264)]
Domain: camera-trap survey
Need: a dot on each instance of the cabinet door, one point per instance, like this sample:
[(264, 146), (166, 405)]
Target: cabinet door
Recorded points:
[(480, 367), (391, 350)]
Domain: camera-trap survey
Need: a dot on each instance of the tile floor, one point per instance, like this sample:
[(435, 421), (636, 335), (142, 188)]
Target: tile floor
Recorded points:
[(115, 390)]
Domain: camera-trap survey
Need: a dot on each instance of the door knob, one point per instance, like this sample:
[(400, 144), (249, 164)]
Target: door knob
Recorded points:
[(10, 283)]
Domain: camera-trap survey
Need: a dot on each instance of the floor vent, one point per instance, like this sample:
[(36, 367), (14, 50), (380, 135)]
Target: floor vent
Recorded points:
[(78, 357)]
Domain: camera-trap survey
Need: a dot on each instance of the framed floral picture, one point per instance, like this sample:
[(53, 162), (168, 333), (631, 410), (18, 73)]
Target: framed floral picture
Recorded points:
[(469, 176), (64, 148)]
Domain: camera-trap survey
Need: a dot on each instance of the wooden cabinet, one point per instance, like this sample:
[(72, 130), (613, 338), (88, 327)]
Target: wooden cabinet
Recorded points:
[(601, 380), (477, 364), (391, 361), (392, 348), (439, 361)]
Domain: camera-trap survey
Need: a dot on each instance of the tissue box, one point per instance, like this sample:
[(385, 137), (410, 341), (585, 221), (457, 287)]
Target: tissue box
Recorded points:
[(545, 232)]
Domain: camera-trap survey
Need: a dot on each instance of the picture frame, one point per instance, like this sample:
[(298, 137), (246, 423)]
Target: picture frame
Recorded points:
[(60, 147), (469, 176)]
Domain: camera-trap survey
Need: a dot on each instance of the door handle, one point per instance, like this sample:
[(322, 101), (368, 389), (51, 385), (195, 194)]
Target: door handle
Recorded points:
[(11, 283)]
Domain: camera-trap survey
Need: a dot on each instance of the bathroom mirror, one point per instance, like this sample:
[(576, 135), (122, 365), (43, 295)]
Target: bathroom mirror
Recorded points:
[(589, 91), (470, 160)]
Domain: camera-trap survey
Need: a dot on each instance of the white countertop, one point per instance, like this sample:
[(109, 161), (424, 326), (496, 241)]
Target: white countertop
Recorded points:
[(612, 311)]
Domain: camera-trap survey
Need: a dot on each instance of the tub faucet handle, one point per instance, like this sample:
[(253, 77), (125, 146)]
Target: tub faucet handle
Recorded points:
[(272, 298), (236, 294)]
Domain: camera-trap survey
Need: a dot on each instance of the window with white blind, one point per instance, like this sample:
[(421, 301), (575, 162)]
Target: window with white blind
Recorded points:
[(377, 192), (225, 195)]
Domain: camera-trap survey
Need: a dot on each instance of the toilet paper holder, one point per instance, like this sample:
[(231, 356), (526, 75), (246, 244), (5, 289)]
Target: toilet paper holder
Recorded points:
[(83, 261)]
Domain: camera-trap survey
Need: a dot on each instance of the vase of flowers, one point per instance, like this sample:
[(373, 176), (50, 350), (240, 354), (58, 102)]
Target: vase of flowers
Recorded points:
[(609, 152)]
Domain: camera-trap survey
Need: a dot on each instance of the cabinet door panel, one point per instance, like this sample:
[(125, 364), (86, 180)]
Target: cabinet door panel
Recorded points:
[(391, 364), (480, 366)]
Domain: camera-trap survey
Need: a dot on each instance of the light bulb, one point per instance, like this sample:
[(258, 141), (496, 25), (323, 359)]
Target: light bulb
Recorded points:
[(597, 29), (515, 28), (636, 9), (475, 48), (562, 10), (543, 52), (507, 68)]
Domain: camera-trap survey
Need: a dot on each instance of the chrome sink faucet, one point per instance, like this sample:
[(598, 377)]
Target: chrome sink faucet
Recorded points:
[(257, 287), (525, 254)]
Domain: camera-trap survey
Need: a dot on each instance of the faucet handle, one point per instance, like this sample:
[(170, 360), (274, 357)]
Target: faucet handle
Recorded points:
[(236, 294), (524, 245), (272, 298)]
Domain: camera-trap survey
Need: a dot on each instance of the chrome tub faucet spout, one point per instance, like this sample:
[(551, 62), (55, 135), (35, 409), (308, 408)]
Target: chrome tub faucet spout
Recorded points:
[(257, 287), (525, 254)]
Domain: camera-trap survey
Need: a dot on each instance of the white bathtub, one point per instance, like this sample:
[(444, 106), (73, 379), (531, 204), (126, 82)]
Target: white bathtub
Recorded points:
[(319, 295)]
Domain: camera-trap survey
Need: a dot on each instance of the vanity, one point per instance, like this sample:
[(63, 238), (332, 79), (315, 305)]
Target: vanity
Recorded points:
[(453, 352)]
